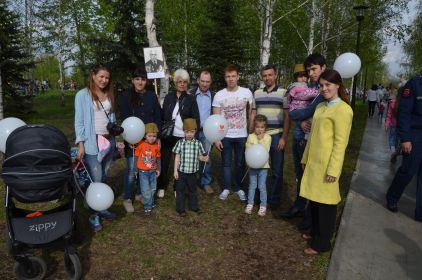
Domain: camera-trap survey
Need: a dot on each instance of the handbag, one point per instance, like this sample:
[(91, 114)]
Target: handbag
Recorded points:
[(168, 127)]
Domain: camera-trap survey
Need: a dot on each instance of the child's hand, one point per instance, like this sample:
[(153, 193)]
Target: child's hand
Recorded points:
[(158, 173), (176, 175), (204, 158), (260, 136), (131, 146)]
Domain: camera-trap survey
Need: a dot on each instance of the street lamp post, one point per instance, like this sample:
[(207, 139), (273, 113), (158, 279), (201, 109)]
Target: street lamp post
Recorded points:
[(359, 17)]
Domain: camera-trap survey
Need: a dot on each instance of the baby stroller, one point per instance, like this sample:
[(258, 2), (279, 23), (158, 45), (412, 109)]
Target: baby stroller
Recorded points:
[(38, 168)]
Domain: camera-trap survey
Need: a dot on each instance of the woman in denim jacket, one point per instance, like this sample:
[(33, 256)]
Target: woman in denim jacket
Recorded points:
[(94, 109)]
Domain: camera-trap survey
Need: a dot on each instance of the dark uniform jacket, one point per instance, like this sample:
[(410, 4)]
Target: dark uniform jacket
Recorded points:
[(409, 119)]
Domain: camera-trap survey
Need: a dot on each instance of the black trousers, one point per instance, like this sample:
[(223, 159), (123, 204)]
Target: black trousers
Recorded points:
[(186, 181), (371, 107), (323, 225), (166, 156)]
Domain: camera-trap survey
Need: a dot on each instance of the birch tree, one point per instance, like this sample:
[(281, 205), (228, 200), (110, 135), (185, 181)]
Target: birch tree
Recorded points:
[(150, 24)]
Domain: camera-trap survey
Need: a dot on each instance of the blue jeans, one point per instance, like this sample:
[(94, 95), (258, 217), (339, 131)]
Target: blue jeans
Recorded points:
[(277, 163), (131, 169), (97, 170), (393, 139), (238, 146), (148, 186), (298, 150), (258, 179), (206, 176)]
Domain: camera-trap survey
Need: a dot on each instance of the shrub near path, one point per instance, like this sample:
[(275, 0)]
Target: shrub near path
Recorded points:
[(221, 243)]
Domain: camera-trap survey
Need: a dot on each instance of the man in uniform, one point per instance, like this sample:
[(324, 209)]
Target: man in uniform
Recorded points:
[(409, 128), (154, 65)]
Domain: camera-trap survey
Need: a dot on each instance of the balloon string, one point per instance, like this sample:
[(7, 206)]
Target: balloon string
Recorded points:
[(245, 175), (133, 159), (205, 163), (89, 176)]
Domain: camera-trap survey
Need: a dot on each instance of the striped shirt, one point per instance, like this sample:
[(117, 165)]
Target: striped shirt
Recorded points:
[(189, 152), (272, 105)]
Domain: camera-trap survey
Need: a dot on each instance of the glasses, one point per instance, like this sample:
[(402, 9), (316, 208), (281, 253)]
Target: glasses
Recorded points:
[(181, 82)]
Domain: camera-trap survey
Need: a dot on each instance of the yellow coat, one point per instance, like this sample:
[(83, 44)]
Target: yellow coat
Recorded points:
[(324, 152)]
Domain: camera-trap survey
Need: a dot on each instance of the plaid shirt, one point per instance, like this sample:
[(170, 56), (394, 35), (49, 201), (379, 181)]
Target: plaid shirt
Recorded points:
[(189, 152)]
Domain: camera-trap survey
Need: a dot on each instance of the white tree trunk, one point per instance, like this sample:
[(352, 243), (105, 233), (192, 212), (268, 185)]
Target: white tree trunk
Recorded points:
[(312, 27), (153, 42), (266, 30), (185, 31)]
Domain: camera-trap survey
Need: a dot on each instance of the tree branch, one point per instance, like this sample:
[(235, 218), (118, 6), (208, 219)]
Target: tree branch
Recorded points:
[(291, 11)]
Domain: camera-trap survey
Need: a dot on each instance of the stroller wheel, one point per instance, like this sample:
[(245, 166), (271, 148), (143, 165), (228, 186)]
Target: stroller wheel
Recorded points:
[(73, 266), (31, 268)]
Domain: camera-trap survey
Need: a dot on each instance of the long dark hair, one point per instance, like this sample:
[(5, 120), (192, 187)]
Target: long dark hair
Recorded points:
[(109, 89), (334, 77), (135, 98)]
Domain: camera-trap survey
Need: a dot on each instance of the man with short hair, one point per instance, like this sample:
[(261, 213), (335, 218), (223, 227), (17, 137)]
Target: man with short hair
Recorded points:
[(315, 64), (271, 102), (153, 64), (234, 104), (204, 98)]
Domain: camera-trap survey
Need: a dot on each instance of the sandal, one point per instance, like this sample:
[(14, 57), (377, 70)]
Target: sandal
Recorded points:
[(310, 252)]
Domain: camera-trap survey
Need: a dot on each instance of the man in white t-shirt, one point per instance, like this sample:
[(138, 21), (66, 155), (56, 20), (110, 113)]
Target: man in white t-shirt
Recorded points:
[(234, 104)]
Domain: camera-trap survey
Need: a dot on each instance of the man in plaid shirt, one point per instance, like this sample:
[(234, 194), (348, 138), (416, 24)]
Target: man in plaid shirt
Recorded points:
[(189, 151)]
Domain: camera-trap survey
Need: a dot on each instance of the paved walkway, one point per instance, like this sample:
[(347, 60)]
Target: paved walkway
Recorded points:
[(372, 242)]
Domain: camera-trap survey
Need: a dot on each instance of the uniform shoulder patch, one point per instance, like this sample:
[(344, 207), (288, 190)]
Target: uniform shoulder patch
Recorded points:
[(406, 92)]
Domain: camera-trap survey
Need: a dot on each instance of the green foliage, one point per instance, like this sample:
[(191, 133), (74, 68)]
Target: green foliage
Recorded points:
[(46, 68), (413, 46), (14, 60)]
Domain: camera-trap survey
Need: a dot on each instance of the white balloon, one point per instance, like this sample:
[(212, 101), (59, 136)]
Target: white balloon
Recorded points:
[(215, 128), (347, 64), (99, 196), (7, 125), (134, 130), (256, 156)]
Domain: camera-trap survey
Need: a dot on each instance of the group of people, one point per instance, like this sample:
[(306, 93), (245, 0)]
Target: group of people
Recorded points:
[(317, 102)]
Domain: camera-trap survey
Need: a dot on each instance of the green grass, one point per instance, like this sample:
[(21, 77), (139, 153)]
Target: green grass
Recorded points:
[(221, 243)]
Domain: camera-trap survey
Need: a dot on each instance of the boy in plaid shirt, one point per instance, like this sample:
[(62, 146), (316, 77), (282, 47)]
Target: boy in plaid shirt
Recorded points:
[(189, 151)]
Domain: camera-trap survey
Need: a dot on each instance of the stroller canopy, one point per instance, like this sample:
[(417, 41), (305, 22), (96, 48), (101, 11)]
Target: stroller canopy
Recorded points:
[(37, 165)]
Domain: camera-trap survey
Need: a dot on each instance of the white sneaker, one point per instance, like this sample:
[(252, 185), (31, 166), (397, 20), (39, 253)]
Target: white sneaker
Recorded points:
[(224, 194), (127, 203), (241, 195), (262, 210), (160, 193), (248, 209)]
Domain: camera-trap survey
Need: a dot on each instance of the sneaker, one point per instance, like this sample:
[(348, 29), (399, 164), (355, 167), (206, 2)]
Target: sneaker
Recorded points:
[(208, 189), (248, 209), (107, 215), (147, 212), (94, 221), (241, 195), (262, 210), (160, 193), (138, 197), (127, 203), (224, 194)]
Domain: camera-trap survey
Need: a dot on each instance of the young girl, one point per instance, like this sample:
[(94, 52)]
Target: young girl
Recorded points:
[(258, 177), (391, 127), (149, 164)]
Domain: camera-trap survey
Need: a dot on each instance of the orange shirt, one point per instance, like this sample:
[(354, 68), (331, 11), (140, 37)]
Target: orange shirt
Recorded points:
[(147, 155)]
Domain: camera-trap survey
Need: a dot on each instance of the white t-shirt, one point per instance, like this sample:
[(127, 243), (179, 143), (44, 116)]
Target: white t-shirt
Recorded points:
[(178, 124), (233, 105), (100, 118)]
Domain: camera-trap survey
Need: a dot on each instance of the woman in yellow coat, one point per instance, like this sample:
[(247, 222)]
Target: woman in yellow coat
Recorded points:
[(323, 160)]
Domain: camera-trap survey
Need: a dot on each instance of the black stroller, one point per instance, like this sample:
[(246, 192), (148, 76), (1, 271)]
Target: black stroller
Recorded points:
[(38, 168)]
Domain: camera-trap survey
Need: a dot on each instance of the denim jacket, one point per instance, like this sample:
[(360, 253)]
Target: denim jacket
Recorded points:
[(84, 122)]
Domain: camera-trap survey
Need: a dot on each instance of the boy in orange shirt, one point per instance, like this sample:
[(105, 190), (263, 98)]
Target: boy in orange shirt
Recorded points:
[(149, 164)]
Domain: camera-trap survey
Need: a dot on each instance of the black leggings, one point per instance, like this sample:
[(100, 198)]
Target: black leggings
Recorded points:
[(166, 156), (371, 105)]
